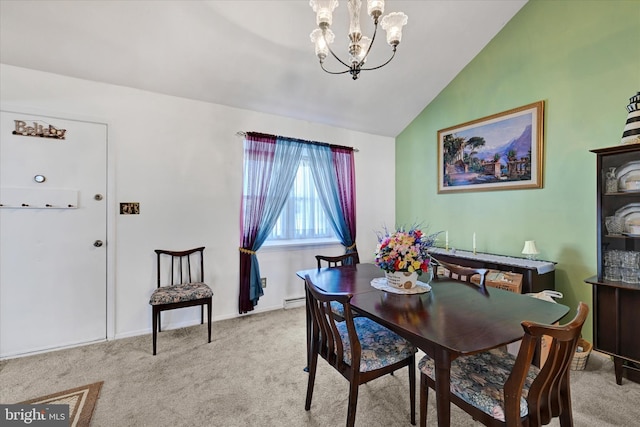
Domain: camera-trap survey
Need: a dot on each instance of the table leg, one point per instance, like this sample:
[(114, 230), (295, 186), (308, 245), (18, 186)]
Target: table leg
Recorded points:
[(309, 321), (618, 367), (443, 378)]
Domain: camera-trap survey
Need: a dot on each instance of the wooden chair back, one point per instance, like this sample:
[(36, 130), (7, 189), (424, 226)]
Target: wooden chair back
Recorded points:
[(463, 274), (325, 339), (549, 395), (336, 261), (177, 267)]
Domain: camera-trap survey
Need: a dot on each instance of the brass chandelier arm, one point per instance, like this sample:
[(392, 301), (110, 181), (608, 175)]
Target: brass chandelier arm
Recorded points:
[(373, 39), (333, 72), (334, 55), (380, 66), (355, 69)]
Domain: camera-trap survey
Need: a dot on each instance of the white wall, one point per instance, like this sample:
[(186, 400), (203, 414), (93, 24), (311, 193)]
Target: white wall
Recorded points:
[(181, 159)]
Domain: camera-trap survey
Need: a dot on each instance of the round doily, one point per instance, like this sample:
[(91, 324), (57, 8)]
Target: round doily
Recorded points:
[(381, 283)]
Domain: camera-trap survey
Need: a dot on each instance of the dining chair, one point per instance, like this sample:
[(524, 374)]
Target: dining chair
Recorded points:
[(463, 274), (181, 290), (337, 261), (499, 389), (359, 348)]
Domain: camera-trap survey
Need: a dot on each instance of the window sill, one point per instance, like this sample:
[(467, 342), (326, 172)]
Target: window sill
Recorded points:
[(295, 244)]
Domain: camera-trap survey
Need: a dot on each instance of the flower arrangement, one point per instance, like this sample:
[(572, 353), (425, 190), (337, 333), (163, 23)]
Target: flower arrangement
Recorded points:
[(404, 250)]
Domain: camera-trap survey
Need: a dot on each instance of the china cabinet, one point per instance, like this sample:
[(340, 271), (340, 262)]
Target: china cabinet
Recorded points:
[(616, 288)]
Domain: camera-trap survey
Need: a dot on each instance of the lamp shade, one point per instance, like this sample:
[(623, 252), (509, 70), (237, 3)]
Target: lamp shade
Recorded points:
[(321, 41), (392, 24), (324, 11), (530, 248)]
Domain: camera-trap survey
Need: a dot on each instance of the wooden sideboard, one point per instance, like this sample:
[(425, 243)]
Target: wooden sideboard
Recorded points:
[(536, 275)]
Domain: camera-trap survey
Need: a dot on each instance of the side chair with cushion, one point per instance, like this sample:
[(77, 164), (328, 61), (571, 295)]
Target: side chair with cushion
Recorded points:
[(359, 348), (464, 274), (180, 289), (337, 261), (499, 389)]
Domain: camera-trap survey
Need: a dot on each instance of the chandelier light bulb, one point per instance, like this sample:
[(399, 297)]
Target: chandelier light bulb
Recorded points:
[(375, 8), (321, 40), (392, 24), (324, 11), (363, 44)]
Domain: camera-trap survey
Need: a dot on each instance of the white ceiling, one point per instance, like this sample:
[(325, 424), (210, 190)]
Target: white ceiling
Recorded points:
[(253, 55)]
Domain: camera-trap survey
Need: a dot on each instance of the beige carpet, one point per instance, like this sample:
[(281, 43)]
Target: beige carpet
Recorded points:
[(251, 374), (81, 401)]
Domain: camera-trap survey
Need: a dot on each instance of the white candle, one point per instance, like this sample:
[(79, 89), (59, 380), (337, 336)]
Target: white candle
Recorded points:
[(474, 241), (446, 237)]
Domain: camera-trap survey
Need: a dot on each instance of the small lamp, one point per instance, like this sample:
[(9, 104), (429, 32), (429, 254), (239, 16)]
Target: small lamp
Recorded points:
[(530, 249)]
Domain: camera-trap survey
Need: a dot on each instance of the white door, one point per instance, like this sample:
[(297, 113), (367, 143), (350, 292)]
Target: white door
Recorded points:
[(53, 228)]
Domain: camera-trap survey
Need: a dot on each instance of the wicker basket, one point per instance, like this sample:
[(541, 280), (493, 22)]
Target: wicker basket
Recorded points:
[(580, 358)]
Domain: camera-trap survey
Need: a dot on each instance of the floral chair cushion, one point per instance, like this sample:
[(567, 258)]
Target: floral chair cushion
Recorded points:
[(180, 293), (380, 346), (479, 379)]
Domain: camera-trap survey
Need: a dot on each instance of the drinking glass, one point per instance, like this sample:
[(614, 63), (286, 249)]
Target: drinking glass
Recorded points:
[(630, 275), (615, 258), (611, 181), (630, 259)]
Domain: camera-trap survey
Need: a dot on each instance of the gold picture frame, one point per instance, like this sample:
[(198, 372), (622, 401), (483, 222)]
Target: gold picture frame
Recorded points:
[(503, 151)]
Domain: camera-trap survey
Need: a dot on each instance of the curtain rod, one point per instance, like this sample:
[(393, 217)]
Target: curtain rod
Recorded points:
[(243, 134)]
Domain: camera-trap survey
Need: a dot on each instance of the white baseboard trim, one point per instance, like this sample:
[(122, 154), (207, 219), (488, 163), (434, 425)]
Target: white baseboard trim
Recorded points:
[(293, 302)]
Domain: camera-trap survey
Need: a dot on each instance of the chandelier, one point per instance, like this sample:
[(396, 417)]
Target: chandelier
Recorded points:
[(359, 45)]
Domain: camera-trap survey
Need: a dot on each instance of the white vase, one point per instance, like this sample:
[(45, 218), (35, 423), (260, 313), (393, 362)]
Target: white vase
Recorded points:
[(402, 279)]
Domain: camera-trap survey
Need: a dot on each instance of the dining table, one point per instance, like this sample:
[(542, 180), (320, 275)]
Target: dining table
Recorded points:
[(451, 320)]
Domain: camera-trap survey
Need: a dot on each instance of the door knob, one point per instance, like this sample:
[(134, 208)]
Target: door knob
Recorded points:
[(97, 243)]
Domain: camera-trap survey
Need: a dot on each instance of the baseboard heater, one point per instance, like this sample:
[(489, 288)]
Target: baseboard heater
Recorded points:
[(294, 302)]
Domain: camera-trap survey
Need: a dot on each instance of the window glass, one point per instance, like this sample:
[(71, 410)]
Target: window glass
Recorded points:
[(302, 216)]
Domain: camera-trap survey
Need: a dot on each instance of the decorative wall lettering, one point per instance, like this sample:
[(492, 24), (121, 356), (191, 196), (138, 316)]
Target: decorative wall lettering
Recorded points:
[(42, 130)]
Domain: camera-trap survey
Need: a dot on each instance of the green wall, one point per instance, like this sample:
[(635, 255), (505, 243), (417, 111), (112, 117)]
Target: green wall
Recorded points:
[(583, 59)]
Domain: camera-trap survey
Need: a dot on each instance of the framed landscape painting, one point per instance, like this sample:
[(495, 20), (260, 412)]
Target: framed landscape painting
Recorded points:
[(499, 152)]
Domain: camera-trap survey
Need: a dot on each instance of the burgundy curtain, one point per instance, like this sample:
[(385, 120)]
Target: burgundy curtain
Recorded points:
[(260, 150), (344, 164)]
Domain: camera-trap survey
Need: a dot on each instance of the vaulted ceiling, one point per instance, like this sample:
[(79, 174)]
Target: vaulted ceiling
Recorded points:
[(253, 55)]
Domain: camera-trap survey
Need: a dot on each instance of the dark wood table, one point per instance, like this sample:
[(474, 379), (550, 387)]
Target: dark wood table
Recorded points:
[(452, 320)]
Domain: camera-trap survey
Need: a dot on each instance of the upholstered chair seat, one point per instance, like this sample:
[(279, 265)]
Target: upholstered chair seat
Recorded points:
[(479, 380), (180, 293), (379, 346)]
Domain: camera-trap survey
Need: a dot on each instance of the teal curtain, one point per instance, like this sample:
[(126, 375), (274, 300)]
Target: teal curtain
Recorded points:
[(270, 167), (332, 168)]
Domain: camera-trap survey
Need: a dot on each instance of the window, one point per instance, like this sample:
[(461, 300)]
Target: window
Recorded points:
[(302, 216)]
